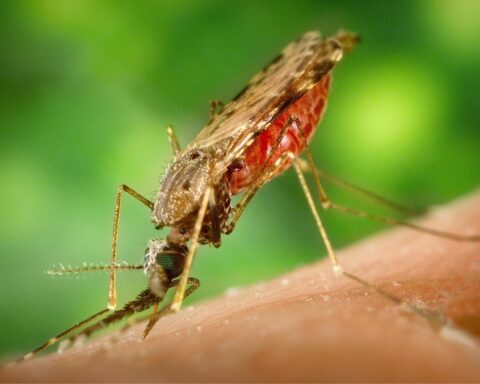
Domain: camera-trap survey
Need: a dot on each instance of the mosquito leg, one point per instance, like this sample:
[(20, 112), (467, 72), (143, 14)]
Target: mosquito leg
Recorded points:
[(172, 138), (347, 185), (260, 178), (337, 268), (180, 292), (112, 291), (61, 335), (328, 204), (433, 317), (112, 296), (391, 221)]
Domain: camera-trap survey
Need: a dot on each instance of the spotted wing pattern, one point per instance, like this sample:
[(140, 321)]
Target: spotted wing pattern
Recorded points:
[(292, 73)]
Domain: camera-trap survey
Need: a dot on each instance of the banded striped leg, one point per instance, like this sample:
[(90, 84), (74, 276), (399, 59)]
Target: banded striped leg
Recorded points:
[(180, 292), (112, 291)]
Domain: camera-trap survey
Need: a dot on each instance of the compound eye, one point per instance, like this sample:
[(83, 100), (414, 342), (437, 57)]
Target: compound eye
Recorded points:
[(172, 264), (165, 261), (167, 256)]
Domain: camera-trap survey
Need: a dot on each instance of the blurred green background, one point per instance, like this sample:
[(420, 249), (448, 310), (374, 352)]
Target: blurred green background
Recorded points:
[(87, 88)]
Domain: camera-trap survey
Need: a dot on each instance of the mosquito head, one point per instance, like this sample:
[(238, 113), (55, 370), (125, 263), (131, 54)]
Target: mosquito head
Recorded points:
[(164, 262), (182, 188)]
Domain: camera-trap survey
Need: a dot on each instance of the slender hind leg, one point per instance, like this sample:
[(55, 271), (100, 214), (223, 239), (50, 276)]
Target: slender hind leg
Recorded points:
[(433, 317), (362, 192), (337, 268), (112, 291), (326, 203)]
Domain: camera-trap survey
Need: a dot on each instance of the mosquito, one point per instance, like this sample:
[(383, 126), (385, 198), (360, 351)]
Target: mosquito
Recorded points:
[(247, 142)]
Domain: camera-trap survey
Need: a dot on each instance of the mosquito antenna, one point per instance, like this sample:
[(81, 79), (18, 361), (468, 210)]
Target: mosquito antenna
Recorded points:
[(60, 269)]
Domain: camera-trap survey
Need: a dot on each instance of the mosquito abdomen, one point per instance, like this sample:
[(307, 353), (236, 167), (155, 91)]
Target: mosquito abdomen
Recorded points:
[(308, 110)]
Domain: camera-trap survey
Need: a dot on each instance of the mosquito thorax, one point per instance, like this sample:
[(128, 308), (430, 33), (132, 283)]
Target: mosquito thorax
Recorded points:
[(182, 187), (164, 261)]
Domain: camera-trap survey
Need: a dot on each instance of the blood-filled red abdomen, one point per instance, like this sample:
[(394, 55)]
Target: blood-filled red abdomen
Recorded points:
[(308, 110)]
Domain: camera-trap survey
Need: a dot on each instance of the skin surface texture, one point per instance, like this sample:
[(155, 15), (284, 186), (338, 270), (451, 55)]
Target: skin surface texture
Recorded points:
[(310, 326)]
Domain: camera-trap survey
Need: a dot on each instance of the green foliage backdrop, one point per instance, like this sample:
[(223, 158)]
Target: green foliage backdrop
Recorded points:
[(87, 88)]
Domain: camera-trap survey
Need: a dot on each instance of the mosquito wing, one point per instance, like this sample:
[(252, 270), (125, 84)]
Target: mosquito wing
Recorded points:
[(292, 73)]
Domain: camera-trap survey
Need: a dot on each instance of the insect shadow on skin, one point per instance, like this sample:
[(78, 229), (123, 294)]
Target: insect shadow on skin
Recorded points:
[(247, 142)]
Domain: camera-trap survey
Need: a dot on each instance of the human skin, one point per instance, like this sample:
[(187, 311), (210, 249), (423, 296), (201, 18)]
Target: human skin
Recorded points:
[(309, 325)]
